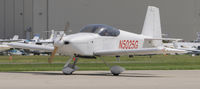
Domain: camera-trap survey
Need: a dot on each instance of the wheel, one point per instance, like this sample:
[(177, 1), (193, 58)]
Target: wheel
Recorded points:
[(116, 74), (116, 70), (67, 71)]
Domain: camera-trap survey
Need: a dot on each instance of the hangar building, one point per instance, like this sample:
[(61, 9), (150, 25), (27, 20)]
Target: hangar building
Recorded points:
[(180, 18)]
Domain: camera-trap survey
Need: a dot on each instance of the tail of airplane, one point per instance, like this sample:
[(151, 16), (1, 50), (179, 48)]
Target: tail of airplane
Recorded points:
[(15, 37), (52, 36), (152, 25), (175, 44), (36, 37)]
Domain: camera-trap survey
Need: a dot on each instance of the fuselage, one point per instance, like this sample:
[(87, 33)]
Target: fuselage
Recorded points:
[(86, 44)]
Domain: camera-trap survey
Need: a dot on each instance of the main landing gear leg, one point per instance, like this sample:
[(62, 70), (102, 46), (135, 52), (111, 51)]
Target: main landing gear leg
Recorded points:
[(70, 68), (118, 58), (115, 70)]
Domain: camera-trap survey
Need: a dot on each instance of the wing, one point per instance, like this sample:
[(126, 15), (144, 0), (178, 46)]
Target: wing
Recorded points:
[(129, 51), (32, 46), (193, 51), (10, 40), (48, 41), (143, 51)]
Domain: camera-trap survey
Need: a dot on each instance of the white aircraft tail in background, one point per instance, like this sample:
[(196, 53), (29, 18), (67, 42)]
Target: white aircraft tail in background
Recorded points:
[(50, 39), (15, 37), (52, 36), (36, 38)]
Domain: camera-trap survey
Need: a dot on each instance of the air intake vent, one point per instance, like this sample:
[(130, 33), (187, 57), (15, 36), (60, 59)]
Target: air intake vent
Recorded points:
[(66, 42)]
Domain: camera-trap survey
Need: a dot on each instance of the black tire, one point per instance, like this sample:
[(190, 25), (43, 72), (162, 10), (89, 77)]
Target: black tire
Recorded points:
[(116, 74)]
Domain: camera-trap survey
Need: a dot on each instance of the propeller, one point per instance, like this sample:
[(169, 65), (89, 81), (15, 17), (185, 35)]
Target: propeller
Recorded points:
[(58, 40)]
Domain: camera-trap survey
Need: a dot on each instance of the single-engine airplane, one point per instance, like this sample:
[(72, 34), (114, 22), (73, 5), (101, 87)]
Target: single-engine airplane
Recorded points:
[(96, 40)]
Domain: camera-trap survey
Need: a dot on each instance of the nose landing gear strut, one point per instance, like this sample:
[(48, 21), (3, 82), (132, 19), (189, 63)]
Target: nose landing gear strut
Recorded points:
[(70, 68)]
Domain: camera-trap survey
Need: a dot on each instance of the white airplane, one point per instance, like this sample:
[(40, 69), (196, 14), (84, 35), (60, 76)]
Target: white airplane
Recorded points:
[(36, 45), (4, 42), (190, 47), (96, 40)]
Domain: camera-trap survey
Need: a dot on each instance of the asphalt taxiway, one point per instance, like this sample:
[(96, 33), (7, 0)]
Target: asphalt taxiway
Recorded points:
[(145, 79)]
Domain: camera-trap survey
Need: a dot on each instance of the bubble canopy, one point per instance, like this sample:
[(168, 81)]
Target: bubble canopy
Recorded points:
[(101, 29)]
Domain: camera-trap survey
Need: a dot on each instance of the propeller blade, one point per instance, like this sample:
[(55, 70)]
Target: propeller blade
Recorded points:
[(55, 47), (52, 55)]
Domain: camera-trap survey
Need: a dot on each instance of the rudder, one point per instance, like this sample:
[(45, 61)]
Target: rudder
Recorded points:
[(152, 25)]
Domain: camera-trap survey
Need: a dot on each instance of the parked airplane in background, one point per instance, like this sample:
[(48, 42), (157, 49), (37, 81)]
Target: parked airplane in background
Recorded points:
[(36, 45), (190, 47), (36, 40), (96, 40)]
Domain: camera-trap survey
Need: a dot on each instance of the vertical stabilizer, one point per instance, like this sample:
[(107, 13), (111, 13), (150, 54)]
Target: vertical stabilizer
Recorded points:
[(16, 37), (152, 25), (52, 36), (36, 38), (175, 44)]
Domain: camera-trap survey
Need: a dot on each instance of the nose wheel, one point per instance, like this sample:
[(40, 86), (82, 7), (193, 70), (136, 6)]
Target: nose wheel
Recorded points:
[(70, 68)]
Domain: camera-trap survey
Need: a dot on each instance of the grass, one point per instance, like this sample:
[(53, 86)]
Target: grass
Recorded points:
[(157, 62)]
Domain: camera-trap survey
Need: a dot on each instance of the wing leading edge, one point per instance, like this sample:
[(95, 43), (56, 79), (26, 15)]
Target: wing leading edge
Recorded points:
[(31, 46), (142, 51)]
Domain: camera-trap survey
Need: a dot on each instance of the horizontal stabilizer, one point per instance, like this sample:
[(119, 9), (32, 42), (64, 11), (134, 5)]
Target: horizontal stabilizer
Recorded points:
[(10, 40), (169, 39)]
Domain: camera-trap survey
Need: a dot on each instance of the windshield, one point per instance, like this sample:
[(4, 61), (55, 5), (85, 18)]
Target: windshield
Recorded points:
[(102, 30)]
